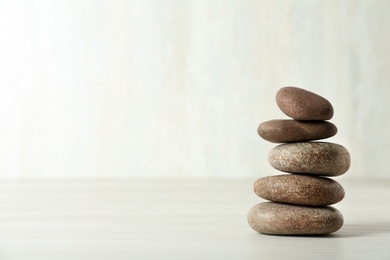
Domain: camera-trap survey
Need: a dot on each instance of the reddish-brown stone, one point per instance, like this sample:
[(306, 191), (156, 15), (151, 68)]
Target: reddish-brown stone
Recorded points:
[(301, 104), (284, 219), (299, 189), (285, 130)]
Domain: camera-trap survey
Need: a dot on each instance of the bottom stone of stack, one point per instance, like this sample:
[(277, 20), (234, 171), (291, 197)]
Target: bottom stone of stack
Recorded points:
[(285, 219)]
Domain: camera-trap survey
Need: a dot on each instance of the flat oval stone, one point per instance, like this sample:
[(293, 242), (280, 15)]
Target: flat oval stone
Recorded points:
[(285, 131), (301, 104), (284, 219), (314, 158), (299, 189)]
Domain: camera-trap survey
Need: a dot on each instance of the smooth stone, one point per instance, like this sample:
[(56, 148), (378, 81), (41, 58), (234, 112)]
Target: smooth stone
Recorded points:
[(314, 158), (286, 130), (299, 189), (301, 104), (284, 219)]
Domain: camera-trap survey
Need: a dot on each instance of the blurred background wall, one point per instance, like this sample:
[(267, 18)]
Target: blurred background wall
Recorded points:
[(177, 88)]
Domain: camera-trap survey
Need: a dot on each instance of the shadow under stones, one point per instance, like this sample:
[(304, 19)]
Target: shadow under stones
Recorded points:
[(366, 229)]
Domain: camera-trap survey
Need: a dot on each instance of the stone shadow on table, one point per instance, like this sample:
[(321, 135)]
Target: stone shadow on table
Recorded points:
[(350, 230), (365, 229)]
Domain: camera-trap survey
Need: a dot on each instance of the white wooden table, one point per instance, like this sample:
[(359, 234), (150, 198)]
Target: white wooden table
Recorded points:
[(175, 219)]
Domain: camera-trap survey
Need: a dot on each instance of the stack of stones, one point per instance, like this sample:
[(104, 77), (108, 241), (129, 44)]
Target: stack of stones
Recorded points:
[(300, 199)]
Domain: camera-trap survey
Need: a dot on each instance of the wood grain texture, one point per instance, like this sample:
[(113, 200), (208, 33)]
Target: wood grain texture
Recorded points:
[(174, 219), (177, 88)]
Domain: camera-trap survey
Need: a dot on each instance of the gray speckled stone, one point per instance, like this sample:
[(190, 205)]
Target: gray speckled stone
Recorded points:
[(316, 158), (301, 104), (283, 219), (299, 189), (285, 131)]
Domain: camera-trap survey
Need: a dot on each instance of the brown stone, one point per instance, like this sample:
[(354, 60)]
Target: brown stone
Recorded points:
[(285, 131), (284, 219), (316, 158), (301, 104), (299, 189)]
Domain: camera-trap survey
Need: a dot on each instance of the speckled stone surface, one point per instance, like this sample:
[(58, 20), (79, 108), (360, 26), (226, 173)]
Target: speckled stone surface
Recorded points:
[(299, 189), (284, 219), (285, 131), (317, 158), (301, 104)]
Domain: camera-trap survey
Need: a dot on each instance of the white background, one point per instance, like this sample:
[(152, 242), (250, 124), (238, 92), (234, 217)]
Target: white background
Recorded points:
[(177, 88)]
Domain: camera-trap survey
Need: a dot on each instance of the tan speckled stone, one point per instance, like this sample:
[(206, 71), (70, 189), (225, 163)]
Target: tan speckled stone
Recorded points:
[(301, 104), (285, 131), (284, 219), (299, 189), (316, 158)]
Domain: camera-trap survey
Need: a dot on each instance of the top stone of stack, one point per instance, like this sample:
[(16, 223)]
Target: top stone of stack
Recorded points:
[(301, 104)]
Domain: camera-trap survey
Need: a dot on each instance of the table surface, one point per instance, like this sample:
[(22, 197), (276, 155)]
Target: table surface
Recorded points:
[(175, 219)]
